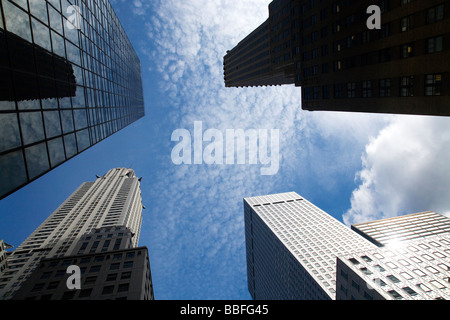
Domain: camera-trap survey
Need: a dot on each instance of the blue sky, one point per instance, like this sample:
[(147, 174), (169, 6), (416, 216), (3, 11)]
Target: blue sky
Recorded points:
[(354, 166)]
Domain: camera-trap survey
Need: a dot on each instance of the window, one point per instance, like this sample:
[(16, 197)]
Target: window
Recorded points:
[(380, 268), (351, 90), (395, 294), (125, 275), (437, 284), (434, 44), (355, 285), (407, 50), (385, 55), (393, 278), (406, 275), (46, 275), (53, 285), (123, 287), (338, 95), (128, 264), (366, 271), (407, 86), (385, 87), (367, 296), (68, 295), (433, 84), (108, 290), (380, 282), (84, 293), (385, 30), (114, 266), (435, 14), (367, 93), (406, 23), (95, 269), (111, 277), (325, 92), (419, 272), (38, 287), (90, 280), (432, 269), (337, 65), (423, 287), (410, 291)]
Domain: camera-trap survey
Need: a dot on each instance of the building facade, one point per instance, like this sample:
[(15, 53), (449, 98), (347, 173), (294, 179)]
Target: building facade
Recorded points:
[(328, 49), (111, 269), (411, 263), (292, 248), (407, 227), (417, 269), (3, 255), (69, 78), (112, 201), (295, 251)]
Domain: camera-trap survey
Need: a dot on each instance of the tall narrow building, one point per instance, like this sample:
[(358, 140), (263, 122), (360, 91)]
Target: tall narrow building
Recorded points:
[(69, 78), (100, 218), (292, 248), (344, 62)]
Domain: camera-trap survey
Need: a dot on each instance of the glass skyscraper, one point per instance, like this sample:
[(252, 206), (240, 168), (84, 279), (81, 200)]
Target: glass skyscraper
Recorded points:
[(327, 48), (69, 78)]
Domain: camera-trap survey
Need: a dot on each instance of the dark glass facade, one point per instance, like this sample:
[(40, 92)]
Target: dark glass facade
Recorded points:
[(326, 48), (67, 81)]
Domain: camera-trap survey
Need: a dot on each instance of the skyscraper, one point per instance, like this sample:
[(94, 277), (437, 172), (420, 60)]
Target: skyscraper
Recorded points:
[(410, 263), (292, 247), (100, 218), (69, 78), (341, 63)]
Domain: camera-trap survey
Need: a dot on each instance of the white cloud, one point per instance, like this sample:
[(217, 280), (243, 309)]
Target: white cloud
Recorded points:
[(405, 170)]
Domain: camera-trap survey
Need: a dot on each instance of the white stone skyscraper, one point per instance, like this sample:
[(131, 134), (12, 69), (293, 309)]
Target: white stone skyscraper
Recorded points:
[(113, 200), (292, 247)]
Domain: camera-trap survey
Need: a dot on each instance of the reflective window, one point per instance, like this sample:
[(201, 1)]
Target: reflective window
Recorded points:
[(70, 143), (52, 124), (38, 8), (41, 35), (12, 171), (17, 20), (67, 121), (37, 160), (56, 151), (32, 127), (9, 132), (80, 119), (83, 140)]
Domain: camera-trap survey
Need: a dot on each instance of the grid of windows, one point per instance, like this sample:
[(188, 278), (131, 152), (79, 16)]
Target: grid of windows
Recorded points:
[(414, 270), (309, 238), (130, 280), (62, 89), (67, 230)]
